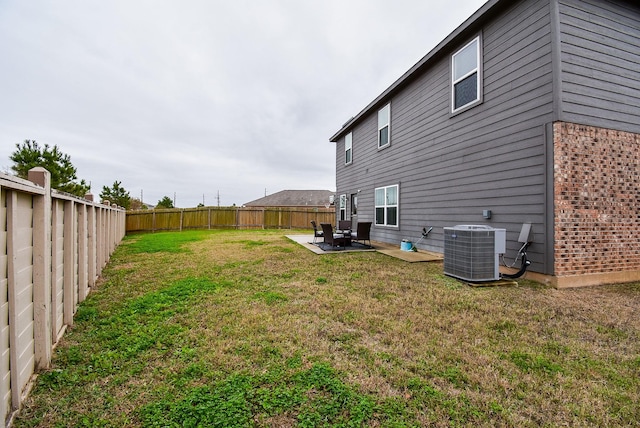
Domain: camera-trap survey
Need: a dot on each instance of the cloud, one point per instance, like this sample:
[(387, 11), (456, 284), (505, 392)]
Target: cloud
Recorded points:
[(195, 97)]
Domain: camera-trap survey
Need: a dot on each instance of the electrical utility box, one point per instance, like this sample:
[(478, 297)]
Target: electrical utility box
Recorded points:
[(472, 252)]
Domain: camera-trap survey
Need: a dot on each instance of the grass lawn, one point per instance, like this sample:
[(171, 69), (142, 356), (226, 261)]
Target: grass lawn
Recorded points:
[(246, 328)]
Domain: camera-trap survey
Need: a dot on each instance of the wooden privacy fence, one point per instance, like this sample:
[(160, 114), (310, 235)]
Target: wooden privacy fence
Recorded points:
[(53, 247), (227, 218)]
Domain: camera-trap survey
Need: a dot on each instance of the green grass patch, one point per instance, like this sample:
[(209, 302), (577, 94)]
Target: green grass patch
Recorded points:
[(270, 297), (135, 326), (311, 398), (163, 242), (249, 243), (534, 363)]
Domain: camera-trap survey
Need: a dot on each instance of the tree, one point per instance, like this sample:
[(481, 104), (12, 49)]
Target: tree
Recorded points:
[(116, 194), (63, 173), (136, 204), (165, 202)]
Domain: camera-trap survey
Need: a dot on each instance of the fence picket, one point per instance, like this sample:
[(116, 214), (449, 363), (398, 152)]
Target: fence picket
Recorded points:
[(227, 218)]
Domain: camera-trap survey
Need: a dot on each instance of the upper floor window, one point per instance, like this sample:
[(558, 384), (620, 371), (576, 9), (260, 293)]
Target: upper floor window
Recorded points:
[(465, 77), (386, 200), (348, 148), (384, 119)]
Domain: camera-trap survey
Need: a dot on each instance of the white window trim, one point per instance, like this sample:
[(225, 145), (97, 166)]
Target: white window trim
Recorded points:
[(388, 125), (348, 148), (343, 206), (385, 206), (477, 69)]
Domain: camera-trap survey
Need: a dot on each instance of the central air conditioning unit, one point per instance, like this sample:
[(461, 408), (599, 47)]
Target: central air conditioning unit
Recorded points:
[(472, 252)]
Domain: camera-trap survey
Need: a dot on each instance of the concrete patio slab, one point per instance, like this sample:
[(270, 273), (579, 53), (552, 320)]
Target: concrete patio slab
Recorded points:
[(381, 247), (307, 242)]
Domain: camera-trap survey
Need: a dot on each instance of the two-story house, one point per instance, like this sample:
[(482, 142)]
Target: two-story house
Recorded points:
[(530, 110)]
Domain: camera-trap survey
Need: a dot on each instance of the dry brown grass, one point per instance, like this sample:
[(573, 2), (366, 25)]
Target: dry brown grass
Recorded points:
[(425, 348)]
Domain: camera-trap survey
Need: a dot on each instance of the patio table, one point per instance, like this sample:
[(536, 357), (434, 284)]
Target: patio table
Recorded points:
[(346, 238)]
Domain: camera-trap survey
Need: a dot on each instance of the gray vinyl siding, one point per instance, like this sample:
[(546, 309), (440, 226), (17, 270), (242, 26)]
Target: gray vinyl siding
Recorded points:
[(600, 71), (450, 168)]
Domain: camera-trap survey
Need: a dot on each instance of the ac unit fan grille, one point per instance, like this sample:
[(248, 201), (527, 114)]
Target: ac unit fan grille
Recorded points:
[(470, 254)]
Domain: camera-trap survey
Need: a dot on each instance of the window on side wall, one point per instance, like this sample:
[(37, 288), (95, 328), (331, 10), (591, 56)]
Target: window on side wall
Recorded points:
[(387, 206), (343, 207), (348, 148), (384, 119), (466, 76), (354, 204)]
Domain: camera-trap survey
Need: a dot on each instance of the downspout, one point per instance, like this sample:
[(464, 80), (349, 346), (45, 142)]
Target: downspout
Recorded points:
[(557, 115)]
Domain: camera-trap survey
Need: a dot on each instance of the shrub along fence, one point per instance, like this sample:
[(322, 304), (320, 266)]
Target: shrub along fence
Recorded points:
[(227, 218), (53, 246)]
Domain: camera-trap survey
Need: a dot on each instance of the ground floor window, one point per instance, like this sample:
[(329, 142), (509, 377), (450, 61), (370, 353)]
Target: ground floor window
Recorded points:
[(343, 207), (387, 206)]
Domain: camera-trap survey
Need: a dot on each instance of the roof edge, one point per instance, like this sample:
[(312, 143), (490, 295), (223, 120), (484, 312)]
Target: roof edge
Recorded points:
[(470, 22)]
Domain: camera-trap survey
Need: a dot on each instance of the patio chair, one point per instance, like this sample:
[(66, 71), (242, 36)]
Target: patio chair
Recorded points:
[(362, 232), (316, 233), (335, 239), (344, 225)]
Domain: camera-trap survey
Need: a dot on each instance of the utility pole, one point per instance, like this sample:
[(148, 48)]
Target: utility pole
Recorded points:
[(203, 199), (174, 199), (218, 197)]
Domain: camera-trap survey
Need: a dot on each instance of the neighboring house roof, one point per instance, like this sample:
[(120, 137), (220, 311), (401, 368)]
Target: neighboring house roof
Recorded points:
[(470, 25), (294, 198)]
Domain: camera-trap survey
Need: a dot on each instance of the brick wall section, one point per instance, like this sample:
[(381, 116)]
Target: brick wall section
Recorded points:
[(597, 200)]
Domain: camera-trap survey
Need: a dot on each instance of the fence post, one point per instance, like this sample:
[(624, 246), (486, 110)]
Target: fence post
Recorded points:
[(12, 285), (42, 268)]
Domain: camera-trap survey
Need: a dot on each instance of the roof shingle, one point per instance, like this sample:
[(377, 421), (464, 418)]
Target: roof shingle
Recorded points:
[(294, 198)]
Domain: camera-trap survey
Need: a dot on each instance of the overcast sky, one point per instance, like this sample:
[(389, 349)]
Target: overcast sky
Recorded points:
[(198, 97)]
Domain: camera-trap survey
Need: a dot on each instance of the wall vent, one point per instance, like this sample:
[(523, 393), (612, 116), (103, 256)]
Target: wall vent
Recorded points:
[(471, 252)]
